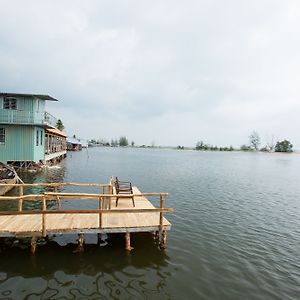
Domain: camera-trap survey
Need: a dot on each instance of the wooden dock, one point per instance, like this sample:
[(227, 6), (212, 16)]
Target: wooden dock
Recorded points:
[(105, 218)]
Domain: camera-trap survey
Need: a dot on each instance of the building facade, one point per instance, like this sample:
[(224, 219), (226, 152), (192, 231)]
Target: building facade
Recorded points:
[(23, 126)]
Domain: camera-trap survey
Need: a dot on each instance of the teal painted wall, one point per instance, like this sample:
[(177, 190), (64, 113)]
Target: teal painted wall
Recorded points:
[(29, 111), (39, 144), (24, 139), (23, 103), (20, 143)]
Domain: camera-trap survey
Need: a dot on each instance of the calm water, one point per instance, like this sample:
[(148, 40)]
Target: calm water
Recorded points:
[(235, 234)]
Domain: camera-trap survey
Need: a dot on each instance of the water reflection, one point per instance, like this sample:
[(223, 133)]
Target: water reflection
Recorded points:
[(100, 272)]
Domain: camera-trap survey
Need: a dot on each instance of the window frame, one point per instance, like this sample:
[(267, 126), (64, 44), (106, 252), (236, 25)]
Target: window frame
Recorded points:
[(3, 135), (10, 103), (37, 138)]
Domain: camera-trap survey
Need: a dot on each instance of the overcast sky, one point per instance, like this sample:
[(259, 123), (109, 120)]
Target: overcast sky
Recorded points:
[(168, 72)]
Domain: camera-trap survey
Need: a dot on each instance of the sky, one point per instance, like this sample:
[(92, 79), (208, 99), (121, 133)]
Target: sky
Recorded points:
[(159, 72)]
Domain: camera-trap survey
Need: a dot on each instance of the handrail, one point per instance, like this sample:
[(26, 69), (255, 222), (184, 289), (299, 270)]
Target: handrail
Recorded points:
[(101, 198), (39, 197), (87, 211), (56, 184)]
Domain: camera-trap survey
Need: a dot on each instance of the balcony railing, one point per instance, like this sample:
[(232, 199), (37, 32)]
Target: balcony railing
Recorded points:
[(49, 120), (9, 116)]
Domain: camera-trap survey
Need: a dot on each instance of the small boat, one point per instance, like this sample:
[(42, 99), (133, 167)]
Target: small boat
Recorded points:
[(7, 175)]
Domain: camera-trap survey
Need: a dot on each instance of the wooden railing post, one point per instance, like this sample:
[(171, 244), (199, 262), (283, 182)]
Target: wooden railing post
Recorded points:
[(100, 213), (110, 197), (44, 208), (21, 192), (58, 205), (162, 199), (103, 193)]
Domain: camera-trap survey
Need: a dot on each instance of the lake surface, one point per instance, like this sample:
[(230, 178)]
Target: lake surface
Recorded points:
[(235, 231)]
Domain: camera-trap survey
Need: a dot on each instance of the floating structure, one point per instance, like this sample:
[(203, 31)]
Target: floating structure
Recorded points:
[(73, 144), (25, 128), (105, 218)]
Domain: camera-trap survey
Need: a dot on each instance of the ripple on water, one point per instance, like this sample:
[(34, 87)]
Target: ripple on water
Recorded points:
[(235, 231)]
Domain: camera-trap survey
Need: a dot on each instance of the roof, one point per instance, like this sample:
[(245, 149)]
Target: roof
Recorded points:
[(56, 131), (43, 97), (73, 141)]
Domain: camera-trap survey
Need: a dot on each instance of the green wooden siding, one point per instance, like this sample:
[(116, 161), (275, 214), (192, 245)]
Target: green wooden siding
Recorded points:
[(20, 144), (29, 111)]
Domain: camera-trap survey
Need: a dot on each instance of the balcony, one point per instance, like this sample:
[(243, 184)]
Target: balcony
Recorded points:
[(20, 117)]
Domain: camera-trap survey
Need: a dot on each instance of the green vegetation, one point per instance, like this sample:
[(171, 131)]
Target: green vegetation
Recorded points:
[(284, 146), (254, 140), (206, 147), (123, 142), (60, 125), (246, 148)]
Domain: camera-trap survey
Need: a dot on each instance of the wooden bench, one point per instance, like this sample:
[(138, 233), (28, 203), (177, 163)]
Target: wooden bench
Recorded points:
[(123, 188)]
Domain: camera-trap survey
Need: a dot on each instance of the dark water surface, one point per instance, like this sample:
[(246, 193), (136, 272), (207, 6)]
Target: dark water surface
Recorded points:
[(235, 231)]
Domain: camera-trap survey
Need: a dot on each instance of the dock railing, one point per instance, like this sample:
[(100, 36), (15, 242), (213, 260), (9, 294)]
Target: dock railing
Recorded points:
[(104, 198)]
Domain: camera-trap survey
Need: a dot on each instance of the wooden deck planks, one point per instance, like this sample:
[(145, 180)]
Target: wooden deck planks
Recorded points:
[(21, 223), (71, 221), (68, 222)]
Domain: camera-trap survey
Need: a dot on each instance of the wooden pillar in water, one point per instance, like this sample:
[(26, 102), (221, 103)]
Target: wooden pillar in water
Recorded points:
[(127, 242), (80, 247), (33, 245), (155, 235), (163, 242)]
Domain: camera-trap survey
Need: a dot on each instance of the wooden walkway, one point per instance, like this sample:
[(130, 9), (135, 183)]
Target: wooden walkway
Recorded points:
[(107, 218)]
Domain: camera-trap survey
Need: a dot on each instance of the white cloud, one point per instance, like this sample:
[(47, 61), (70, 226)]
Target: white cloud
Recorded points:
[(174, 72)]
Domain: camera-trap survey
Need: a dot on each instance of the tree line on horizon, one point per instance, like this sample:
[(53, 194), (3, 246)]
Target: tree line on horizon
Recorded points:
[(254, 145), (272, 146)]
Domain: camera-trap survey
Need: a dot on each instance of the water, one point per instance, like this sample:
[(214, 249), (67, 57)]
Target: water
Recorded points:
[(235, 232)]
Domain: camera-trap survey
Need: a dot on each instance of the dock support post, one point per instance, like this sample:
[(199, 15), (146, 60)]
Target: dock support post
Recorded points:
[(33, 245), (155, 235), (163, 242), (80, 247), (127, 242)]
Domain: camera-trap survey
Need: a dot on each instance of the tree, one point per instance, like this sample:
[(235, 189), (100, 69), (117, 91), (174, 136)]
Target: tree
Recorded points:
[(245, 148), (114, 143), (132, 143), (123, 142), (60, 125), (284, 146), (200, 145), (254, 140)]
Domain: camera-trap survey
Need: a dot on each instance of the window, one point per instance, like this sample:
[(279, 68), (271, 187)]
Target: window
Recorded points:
[(2, 136), (37, 138), (9, 103), (41, 137)]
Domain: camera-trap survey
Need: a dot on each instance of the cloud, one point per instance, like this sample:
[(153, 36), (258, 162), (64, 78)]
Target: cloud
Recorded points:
[(170, 71)]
